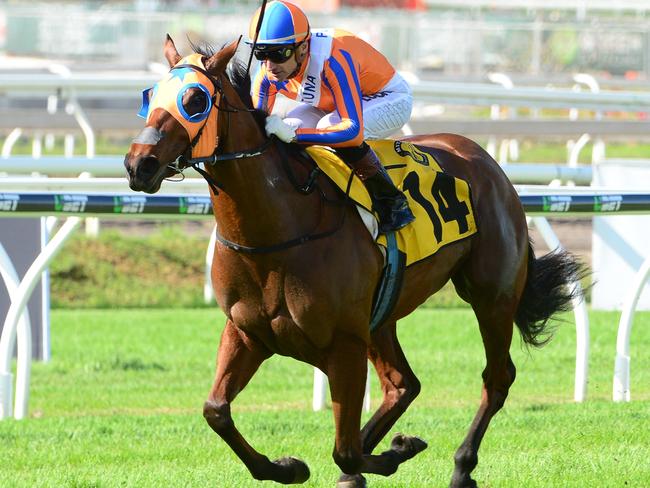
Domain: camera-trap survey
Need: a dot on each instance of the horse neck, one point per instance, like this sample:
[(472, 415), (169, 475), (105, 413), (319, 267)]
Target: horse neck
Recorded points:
[(258, 205)]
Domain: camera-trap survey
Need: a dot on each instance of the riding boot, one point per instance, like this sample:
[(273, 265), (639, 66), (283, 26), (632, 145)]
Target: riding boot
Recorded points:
[(389, 202)]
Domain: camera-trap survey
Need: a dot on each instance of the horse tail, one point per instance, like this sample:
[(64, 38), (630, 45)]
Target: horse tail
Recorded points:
[(548, 290)]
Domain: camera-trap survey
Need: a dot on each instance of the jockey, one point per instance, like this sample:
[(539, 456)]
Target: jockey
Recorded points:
[(347, 92)]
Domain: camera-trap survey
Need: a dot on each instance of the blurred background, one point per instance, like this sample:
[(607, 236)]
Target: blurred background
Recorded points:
[(546, 39), (510, 43)]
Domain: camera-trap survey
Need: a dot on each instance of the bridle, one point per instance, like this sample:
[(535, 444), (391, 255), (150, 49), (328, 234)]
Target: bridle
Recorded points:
[(221, 103)]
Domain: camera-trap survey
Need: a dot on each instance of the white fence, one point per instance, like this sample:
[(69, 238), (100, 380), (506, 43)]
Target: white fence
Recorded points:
[(111, 85), (63, 89)]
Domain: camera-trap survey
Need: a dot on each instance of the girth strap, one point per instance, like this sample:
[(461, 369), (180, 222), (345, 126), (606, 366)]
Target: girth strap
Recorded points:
[(390, 284), (291, 242)]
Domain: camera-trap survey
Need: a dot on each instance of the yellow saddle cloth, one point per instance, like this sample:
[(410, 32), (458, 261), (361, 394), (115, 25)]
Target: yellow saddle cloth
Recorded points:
[(441, 203)]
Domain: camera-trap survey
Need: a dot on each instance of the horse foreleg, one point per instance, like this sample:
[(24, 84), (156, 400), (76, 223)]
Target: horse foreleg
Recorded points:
[(400, 386), (238, 359), (346, 371), (346, 368), (498, 376)]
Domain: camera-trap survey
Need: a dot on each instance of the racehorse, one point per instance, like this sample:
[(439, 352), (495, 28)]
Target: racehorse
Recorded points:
[(295, 271)]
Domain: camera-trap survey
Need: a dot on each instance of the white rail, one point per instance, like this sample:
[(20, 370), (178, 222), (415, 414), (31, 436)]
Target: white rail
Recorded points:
[(23, 338), (631, 5), (93, 185), (99, 85), (580, 314), (486, 94), (621, 388)]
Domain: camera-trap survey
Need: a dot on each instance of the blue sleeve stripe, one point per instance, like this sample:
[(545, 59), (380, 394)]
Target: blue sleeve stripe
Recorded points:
[(346, 90), (342, 135), (353, 71), (263, 90), (264, 93)]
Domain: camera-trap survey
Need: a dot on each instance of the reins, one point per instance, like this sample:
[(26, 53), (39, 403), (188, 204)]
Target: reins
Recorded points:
[(216, 157), (290, 243)]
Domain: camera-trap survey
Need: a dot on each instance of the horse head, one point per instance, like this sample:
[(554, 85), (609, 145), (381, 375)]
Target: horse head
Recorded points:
[(181, 116)]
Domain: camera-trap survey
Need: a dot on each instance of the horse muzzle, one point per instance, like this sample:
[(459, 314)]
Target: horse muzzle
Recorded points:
[(144, 173)]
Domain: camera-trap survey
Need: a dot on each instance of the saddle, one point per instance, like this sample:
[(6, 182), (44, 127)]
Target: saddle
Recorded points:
[(441, 203)]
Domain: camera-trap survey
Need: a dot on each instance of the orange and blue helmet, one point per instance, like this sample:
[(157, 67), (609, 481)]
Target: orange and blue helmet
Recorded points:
[(283, 23)]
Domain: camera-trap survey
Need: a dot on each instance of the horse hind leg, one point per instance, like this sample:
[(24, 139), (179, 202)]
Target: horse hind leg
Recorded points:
[(496, 324), (238, 360)]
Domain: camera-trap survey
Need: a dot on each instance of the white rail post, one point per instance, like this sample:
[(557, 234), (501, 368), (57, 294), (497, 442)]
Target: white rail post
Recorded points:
[(598, 151), (22, 335), (509, 148), (208, 294), (320, 391), (46, 231), (73, 107), (11, 139), (621, 388), (16, 309)]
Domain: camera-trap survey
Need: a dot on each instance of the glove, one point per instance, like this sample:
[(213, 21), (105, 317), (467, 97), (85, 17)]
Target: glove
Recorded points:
[(275, 125)]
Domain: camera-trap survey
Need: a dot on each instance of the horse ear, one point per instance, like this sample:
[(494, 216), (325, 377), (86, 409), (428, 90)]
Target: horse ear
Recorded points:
[(170, 52), (217, 63)]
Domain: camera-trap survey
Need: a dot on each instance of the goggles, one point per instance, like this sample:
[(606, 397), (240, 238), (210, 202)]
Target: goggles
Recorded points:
[(275, 55)]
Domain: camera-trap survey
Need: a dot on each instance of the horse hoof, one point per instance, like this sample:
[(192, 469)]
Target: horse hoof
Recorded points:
[(298, 469), (351, 481), (466, 482), (407, 446)]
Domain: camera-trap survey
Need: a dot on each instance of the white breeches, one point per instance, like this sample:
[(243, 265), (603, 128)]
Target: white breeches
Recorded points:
[(384, 113)]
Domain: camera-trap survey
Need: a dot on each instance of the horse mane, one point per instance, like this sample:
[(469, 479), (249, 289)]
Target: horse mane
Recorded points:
[(237, 74)]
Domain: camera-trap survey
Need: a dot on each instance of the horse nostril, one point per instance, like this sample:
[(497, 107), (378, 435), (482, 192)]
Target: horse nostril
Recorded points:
[(148, 166), (127, 166)]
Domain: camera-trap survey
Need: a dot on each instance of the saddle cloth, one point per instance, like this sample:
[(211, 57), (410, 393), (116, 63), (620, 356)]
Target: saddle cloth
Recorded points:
[(441, 204)]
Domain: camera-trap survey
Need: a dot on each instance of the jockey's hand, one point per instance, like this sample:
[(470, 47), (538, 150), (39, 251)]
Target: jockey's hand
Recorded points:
[(284, 132)]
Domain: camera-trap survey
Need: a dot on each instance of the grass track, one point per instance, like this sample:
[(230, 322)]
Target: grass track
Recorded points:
[(120, 405)]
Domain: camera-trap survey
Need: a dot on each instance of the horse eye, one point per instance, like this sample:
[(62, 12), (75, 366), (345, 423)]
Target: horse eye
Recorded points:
[(196, 103)]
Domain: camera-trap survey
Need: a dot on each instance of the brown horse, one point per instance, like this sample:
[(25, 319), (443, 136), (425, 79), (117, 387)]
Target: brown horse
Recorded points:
[(295, 273)]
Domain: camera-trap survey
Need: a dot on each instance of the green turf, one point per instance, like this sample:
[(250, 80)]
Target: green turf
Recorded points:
[(120, 405), (163, 268)]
